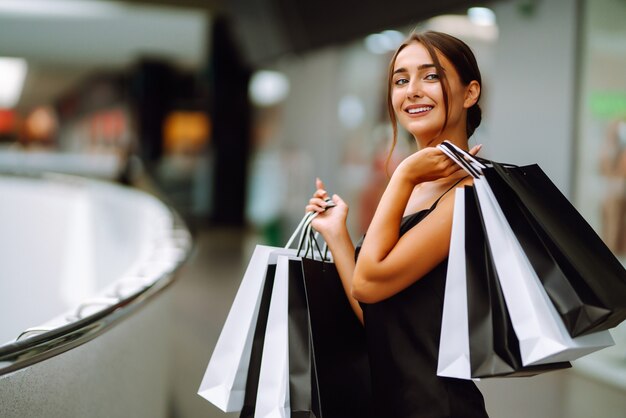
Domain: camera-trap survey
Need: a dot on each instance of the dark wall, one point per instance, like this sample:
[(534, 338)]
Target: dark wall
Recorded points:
[(230, 111)]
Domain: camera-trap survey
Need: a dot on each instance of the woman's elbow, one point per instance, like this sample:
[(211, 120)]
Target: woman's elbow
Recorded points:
[(364, 291)]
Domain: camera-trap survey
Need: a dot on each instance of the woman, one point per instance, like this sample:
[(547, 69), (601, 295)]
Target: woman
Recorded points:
[(397, 283)]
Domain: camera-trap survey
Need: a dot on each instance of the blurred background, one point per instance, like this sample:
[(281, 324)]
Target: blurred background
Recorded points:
[(229, 110)]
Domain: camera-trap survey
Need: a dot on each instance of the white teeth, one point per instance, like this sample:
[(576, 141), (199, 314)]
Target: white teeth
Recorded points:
[(419, 109)]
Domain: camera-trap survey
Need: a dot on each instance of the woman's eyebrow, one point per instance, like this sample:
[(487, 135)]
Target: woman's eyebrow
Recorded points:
[(419, 67)]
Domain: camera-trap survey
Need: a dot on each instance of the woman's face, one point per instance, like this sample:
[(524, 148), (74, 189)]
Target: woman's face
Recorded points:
[(417, 97)]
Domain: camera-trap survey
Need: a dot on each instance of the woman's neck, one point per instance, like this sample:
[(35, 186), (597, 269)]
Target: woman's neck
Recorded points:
[(433, 142)]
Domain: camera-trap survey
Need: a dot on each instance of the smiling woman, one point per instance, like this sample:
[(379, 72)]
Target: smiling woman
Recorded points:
[(397, 282), (420, 69)]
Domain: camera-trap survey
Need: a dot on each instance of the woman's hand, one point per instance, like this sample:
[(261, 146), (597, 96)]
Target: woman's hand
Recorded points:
[(330, 220), (429, 164), (331, 223)]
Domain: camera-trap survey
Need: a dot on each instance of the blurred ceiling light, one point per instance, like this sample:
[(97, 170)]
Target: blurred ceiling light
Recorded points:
[(351, 111), (375, 43), (13, 73), (462, 27), (268, 88), (60, 8), (395, 37), (383, 42), (481, 16)]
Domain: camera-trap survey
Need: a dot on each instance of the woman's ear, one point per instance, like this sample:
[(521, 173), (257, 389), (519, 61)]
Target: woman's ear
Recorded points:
[(472, 93)]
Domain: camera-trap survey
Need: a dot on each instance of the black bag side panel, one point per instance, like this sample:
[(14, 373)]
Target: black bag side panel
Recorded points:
[(585, 281), (302, 375), (254, 368), (575, 301), (494, 346), (339, 345), (487, 333), (585, 249)]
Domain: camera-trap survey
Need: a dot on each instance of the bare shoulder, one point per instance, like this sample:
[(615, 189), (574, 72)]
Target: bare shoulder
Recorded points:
[(467, 181), (446, 204)]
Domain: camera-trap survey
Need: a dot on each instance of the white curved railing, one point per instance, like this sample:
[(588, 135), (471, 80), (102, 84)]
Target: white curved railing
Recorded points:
[(76, 257)]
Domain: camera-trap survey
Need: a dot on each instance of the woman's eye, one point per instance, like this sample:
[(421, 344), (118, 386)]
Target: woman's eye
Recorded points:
[(432, 76), (401, 81)]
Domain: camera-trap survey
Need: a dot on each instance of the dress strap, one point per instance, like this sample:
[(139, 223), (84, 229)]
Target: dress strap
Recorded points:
[(434, 205)]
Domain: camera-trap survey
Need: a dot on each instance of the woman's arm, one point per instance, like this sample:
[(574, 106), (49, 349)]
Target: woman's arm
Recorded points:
[(389, 263), (342, 249), (331, 224), (411, 257)]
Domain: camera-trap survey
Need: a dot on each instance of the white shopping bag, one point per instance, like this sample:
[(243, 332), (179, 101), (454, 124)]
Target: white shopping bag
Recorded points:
[(273, 394), (542, 335), (224, 380), (454, 355)]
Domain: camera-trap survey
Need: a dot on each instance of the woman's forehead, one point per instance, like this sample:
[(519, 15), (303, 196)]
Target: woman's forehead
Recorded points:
[(414, 55)]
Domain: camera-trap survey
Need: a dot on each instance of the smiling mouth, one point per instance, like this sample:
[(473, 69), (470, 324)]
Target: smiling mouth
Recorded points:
[(416, 110)]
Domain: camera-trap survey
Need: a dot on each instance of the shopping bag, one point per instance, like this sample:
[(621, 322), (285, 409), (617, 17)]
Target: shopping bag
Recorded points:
[(304, 397), (477, 337), (541, 332), (224, 381), (584, 280), (288, 385), (493, 344), (454, 355), (272, 400), (339, 343)]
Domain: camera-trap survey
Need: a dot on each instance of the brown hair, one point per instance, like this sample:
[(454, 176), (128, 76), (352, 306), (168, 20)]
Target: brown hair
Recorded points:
[(463, 60)]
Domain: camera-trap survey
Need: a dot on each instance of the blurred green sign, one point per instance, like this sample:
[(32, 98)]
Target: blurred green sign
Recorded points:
[(608, 104)]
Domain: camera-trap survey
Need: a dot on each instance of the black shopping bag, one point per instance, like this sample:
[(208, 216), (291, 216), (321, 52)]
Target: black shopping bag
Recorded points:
[(339, 342), (585, 281), (254, 367), (494, 347), (304, 398)]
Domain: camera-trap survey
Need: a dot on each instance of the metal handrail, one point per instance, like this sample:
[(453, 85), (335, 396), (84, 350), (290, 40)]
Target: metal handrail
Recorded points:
[(37, 344)]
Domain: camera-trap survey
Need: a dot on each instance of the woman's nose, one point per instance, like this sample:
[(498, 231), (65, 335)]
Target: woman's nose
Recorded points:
[(414, 89)]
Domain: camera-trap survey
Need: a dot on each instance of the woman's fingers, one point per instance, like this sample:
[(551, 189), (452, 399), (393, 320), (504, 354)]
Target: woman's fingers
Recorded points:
[(475, 149), (313, 208), (338, 200), (451, 169), (317, 201), (316, 204), (321, 194)]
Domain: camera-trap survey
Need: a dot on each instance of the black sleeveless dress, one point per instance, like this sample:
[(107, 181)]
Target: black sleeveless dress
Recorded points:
[(403, 342)]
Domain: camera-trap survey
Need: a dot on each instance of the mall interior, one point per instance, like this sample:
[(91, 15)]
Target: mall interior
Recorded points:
[(148, 146)]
